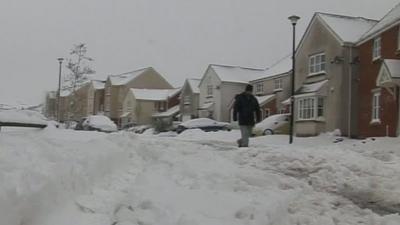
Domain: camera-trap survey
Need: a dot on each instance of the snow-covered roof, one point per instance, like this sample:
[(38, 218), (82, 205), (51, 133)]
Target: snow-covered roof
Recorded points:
[(194, 85), (391, 18), (312, 87), (348, 29), (282, 66), (52, 94), (98, 84), (124, 78), (154, 94), (65, 93), (170, 112), (262, 100), (207, 105), (393, 66), (236, 74)]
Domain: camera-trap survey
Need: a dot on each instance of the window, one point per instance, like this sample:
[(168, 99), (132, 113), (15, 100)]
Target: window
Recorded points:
[(209, 90), (311, 108), (317, 64), (398, 40), (260, 88), (186, 100), (278, 83), (266, 113), (376, 106), (376, 51)]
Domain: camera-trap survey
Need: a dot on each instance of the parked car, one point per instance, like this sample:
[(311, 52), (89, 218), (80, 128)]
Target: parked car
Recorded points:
[(204, 124), (275, 124), (98, 123)]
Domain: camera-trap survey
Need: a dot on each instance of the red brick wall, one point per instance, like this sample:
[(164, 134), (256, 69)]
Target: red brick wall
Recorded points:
[(368, 74), (173, 101), (271, 106)]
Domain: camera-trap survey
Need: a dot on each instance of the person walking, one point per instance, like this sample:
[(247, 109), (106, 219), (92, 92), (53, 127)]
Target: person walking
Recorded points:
[(247, 110)]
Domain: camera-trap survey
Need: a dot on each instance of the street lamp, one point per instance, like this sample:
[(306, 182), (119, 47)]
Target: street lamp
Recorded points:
[(60, 60), (293, 19)]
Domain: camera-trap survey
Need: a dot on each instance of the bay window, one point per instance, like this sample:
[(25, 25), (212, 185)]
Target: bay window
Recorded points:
[(310, 108)]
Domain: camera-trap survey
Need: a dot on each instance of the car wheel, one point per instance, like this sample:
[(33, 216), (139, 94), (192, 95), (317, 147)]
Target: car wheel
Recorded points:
[(268, 132)]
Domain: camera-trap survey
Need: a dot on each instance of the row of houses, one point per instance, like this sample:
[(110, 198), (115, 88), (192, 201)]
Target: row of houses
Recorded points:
[(347, 78)]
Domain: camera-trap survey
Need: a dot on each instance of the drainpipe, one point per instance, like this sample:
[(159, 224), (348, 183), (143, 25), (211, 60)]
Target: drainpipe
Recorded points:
[(350, 93)]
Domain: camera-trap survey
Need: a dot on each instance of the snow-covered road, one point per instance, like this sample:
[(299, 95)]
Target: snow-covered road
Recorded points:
[(63, 177)]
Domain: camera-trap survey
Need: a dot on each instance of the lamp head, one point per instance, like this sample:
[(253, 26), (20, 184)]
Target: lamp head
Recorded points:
[(60, 60), (293, 19)]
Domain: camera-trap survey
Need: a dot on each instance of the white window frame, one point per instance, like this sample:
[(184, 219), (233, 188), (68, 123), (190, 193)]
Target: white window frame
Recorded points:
[(311, 108), (376, 101), (317, 64), (209, 90), (377, 48), (260, 88), (278, 82)]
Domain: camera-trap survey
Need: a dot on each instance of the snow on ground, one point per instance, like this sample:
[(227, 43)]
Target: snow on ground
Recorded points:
[(62, 177)]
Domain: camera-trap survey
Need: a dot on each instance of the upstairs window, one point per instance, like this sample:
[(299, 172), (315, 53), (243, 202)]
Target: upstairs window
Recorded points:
[(259, 88), (317, 64), (209, 90), (376, 51), (278, 83)]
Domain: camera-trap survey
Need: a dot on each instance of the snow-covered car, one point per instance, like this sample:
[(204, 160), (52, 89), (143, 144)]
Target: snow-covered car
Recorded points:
[(99, 123), (204, 124), (22, 118), (275, 124)]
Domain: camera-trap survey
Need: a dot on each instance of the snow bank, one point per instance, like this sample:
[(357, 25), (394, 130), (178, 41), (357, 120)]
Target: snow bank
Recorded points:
[(39, 170)]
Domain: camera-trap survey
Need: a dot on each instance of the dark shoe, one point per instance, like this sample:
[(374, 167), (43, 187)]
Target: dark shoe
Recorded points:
[(239, 143)]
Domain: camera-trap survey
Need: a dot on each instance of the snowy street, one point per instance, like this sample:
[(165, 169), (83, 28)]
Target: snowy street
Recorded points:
[(63, 177)]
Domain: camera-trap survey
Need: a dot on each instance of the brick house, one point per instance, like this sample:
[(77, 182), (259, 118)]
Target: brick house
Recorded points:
[(379, 79)]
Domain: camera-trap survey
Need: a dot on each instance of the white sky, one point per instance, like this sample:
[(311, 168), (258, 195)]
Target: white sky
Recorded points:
[(179, 38)]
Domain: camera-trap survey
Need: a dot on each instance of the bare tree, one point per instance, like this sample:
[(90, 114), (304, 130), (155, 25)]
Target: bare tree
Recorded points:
[(79, 72)]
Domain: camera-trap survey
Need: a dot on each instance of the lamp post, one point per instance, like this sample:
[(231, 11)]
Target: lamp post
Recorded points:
[(60, 60), (293, 19)]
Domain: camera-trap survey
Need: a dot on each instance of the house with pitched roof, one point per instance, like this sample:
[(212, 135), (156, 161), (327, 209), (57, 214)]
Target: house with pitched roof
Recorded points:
[(117, 87), (273, 88), (141, 105), (326, 87), (379, 79), (219, 86), (189, 99), (50, 105)]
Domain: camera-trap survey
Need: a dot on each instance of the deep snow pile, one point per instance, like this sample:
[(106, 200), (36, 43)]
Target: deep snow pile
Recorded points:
[(60, 177)]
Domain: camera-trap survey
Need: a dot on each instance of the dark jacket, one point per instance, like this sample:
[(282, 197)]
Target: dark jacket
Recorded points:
[(247, 109)]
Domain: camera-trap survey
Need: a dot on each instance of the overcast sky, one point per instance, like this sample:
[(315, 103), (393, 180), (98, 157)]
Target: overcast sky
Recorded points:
[(179, 38)]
